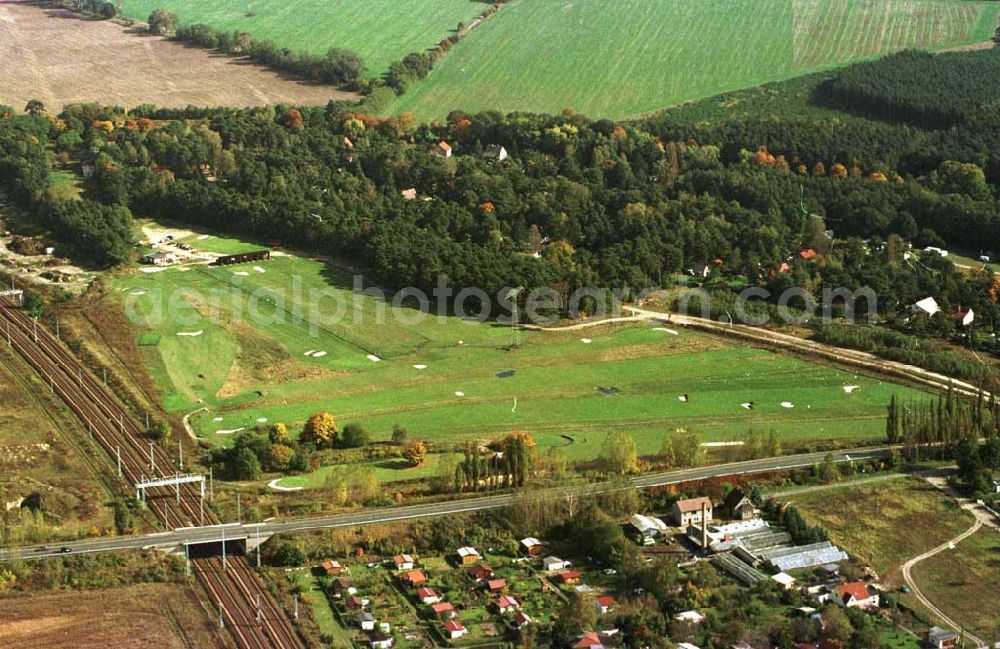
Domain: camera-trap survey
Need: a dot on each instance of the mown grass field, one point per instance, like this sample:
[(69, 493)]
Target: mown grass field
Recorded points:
[(381, 31), (634, 56), (446, 379)]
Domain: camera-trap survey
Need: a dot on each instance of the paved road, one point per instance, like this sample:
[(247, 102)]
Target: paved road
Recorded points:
[(177, 538)]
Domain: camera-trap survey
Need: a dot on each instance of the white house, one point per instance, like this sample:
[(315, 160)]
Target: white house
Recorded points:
[(927, 306), (694, 617), (856, 595), (552, 564), (366, 621), (495, 152), (403, 562), (454, 629), (428, 596), (965, 318), (689, 512)]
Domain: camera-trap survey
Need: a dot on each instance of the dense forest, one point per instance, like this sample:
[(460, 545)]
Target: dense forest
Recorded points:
[(774, 201)]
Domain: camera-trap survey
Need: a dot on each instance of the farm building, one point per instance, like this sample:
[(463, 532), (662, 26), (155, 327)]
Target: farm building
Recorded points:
[(467, 555), (806, 556), (532, 546), (738, 507), (784, 580), (690, 511), (243, 258), (159, 258), (938, 638), (495, 152), (647, 528), (551, 564)]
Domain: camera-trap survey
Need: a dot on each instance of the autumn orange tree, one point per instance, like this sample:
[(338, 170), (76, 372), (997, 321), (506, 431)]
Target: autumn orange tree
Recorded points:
[(414, 452), (320, 429)]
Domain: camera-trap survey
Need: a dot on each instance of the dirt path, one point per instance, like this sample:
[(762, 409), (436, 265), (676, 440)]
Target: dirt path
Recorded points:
[(908, 566)]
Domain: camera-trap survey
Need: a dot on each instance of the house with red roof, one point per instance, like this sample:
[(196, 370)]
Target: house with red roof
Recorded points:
[(332, 567), (604, 604), (808, 254), (522, 619), (496, 585), (569, 577), (415, 577), (428, 596), (507, 603), (856, 595), (690, 511), (454, 629), (403, 562), (443, 610), (480, 572), (442, 148), (589, 640)]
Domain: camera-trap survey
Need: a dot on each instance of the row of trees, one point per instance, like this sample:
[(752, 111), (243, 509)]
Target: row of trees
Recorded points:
[(509, 462)]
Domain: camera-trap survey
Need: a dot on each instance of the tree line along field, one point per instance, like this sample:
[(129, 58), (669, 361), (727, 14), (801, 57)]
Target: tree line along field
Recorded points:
[(447, 380), (635, 56), (381, 31)]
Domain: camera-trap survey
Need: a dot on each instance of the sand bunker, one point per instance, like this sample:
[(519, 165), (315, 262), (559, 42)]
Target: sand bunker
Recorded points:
[(586, 341), (669, 331), (748, 405), (716, 444), (319, 354), (262, 420), (459, 393), (217, 419), (683, 398), (190, 333), (138, 293), (373, 358), (229, 431), (420, 367), (154, 269), (787, 404), (309, 353), (242, 273), (202, 237), (273, 484), (849, 389), (259, 269)]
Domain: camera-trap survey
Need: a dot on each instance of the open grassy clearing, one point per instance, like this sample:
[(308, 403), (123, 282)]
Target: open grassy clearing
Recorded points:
[(166, 616), (635, 56), (381, 31), (59, 58), (38, 463), (876, 523), (962, 582), (446, 379)]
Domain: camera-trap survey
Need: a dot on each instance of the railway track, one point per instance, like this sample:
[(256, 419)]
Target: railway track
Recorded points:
[(247, 610)]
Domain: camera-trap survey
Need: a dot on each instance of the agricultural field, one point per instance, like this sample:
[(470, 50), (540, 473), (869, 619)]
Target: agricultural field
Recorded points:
[(956, 580), (875, 522), (54, 56), (41, 462), (300, 342), (381, 31), (635, 56), (166, 616)]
